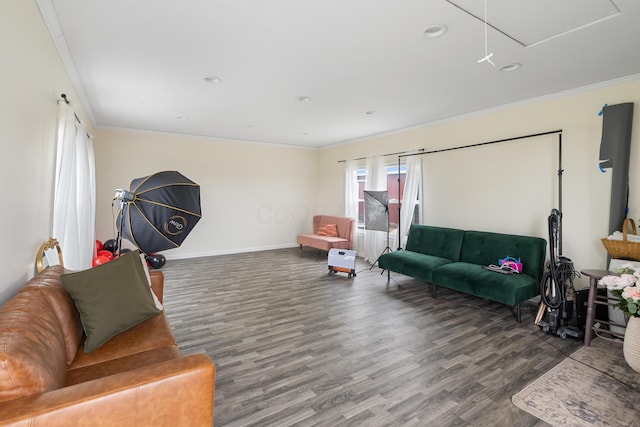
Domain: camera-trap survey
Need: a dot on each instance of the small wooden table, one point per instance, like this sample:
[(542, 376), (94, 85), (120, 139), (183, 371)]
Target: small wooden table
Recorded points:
[(594, 276)]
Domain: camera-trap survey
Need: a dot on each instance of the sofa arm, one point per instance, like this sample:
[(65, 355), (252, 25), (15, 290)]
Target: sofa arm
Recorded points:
[(172, 393), (157, 283)]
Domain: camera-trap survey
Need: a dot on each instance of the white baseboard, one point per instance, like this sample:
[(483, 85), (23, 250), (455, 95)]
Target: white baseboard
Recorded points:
[(170, 256)]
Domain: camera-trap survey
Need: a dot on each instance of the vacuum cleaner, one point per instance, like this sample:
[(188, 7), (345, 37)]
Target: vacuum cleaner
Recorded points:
[(556, 287)]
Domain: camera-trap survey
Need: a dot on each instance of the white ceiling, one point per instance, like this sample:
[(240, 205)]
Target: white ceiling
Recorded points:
[(366, 64)]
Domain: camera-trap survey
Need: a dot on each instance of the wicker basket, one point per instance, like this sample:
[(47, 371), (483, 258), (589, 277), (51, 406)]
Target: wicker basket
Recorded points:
[(624, 249)]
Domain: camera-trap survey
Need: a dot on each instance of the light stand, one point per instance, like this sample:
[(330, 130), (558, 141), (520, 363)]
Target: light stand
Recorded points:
[(387, 249), (376, 209), (399, 209), (123, 197)]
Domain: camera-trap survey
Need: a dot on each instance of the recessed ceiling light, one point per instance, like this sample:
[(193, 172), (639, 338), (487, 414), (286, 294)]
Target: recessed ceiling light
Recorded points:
[(213, 79), (182, 117), (303, 99), (434, 31), (510, 67)]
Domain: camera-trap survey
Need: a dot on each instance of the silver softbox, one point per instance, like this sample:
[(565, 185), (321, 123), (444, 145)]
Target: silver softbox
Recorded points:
[(376, 210)]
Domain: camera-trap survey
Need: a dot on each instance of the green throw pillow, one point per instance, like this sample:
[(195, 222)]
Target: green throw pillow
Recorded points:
[(111, 298)]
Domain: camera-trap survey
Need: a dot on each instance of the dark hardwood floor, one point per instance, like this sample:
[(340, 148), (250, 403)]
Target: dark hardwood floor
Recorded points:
[(295, 346)]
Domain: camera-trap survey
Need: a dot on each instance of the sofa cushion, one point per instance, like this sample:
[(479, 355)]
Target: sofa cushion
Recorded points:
[(485, 248), (49, 284), (436, 241), (122, 364), (154, 332), (32, 347), (412, 264), (510, 289), (111, 298)]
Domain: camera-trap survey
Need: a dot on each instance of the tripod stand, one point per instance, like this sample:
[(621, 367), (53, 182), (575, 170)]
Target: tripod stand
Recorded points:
[(385, 250), (376, 215)]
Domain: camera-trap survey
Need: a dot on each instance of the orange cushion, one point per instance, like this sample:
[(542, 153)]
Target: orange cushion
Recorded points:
[(328, 230)]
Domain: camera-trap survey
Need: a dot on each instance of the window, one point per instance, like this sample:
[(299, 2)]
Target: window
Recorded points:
[(395, 196)]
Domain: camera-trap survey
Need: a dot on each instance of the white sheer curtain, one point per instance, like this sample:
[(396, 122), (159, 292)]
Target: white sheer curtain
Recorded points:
[(412, 184), (75, 191), (376, 180), (351, 194), (351, 189)]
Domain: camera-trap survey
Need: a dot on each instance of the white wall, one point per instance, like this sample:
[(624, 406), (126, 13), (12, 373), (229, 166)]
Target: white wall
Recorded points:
[(254, 196), (32, 77), (512, 187)]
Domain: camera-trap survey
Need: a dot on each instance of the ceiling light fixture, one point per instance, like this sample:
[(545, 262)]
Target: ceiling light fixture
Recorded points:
[(303, 99), (487, 55), (434, 31), (510, 67), (182, 117), (213, 79)]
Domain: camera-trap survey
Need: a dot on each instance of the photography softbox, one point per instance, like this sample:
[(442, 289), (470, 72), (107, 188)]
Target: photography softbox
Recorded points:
[(376, 210), (160, 211)]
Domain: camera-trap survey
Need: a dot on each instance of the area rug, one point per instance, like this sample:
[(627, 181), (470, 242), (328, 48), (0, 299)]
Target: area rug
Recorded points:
[(592, 387)]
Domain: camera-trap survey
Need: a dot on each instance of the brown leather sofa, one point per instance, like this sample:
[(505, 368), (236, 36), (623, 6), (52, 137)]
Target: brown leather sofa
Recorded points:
[(138, 378)]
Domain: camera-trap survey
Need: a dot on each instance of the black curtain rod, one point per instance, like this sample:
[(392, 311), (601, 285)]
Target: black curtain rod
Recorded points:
[(533, 135), (66, 101), (422, 151), (380, 155)]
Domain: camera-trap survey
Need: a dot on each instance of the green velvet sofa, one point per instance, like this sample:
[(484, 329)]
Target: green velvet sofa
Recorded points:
[(454, 258)]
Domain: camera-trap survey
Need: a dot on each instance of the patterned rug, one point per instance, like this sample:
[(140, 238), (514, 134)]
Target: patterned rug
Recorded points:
[(592, 387)]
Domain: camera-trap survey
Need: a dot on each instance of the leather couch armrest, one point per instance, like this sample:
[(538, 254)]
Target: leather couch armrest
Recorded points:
[(157, 283), (172, 393)]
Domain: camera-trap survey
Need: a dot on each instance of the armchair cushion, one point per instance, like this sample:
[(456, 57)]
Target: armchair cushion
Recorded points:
[(328, 230)]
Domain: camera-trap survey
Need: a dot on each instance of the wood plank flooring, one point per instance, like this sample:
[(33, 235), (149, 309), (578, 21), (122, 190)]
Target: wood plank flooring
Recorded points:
[(295, 346)]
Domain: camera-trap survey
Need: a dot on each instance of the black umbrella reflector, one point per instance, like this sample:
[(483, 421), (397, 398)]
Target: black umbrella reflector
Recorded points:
[(164, 210), (376, 210)]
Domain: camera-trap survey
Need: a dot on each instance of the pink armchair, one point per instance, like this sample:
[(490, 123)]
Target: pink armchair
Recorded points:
[(346, 230)]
